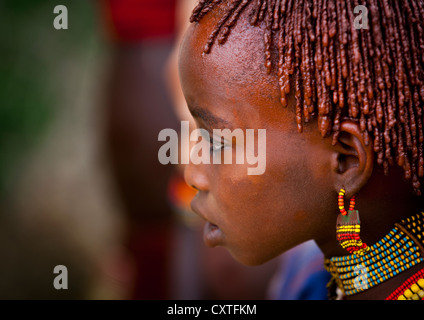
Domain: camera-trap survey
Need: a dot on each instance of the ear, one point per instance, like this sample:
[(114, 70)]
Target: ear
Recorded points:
[(352, 161)]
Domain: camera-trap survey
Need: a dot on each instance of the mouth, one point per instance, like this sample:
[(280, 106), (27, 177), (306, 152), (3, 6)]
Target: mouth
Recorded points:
[(212, 234)]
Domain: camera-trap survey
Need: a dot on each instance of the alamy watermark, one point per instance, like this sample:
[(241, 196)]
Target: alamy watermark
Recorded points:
[(361, 21), (361, 280), (61, 20), (60, 282), (216, 147)]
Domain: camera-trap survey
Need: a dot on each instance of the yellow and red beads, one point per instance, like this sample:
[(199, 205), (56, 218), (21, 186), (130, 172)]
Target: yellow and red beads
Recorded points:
[(411, 289), (348, 227), (352, 203), (400, 250), (341, 202)]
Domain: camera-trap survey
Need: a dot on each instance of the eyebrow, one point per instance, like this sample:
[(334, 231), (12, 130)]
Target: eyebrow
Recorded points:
[(211, 121)]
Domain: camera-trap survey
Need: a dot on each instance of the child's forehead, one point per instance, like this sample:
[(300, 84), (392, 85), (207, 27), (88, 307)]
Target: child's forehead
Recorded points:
[(231, 80), (232, 75), (238, 62)]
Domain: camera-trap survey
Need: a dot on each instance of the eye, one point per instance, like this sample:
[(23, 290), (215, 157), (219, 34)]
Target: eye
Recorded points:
[(216, 145)]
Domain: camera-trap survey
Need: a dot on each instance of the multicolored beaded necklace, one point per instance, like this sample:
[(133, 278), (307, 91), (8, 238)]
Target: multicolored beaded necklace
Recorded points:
[(397, 252), (411, 289)]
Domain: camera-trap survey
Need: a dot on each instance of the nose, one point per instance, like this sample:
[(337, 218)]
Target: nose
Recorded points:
[(195, 176)]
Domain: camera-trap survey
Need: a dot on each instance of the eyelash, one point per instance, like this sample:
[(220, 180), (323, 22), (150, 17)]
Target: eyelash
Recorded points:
[(216, 146)]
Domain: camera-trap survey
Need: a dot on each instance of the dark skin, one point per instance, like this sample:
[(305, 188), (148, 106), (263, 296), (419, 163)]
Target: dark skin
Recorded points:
[(259, 217)]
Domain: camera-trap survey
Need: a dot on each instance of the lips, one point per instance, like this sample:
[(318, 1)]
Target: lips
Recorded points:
[(212, 234)]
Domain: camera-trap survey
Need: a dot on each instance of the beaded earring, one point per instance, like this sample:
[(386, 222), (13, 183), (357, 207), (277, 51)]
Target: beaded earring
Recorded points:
[(348, 227)]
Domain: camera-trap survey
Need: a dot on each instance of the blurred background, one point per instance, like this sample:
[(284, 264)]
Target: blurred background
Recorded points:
[(57, 204), (80, 183)]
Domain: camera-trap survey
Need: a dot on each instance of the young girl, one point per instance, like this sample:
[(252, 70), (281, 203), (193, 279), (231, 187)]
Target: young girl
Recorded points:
[(340, 93)]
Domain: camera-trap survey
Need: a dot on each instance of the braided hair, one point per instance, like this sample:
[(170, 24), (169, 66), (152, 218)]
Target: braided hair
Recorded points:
[(374, 76)]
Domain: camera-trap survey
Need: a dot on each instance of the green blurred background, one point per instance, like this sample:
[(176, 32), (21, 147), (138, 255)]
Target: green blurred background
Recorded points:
[(33, 56), (56, 206)]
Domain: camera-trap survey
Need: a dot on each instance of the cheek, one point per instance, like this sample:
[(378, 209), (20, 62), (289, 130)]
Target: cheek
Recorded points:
[(251, 212), (304, 184), (242, 199), (234, 190), (263, 216)]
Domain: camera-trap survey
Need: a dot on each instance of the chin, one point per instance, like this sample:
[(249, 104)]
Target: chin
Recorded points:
[(250, 260)]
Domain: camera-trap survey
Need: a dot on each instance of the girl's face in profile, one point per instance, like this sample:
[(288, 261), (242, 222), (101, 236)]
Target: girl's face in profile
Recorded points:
[(256, 217)]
